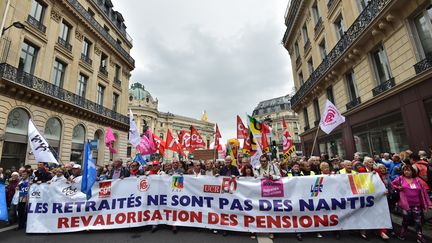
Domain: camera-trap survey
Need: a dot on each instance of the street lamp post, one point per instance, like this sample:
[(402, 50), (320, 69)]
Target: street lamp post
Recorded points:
[(16, 24)]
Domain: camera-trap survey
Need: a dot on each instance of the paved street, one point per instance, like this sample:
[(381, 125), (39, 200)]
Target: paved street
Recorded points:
[(184, 235)]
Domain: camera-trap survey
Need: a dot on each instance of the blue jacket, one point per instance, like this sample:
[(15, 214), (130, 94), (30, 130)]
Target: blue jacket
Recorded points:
[(393, 171)]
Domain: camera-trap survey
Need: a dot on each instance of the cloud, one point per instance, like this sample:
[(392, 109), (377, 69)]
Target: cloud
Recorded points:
[(194, 66)]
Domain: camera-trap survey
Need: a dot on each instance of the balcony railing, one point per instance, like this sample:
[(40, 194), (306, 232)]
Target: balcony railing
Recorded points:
[(86, 59), (103, 70), (117, 82), (64, 43), (424, 64), (36, 23), (383, 87), (14, 75), (306, 128), (371, 11), (353, 103), (85, 14)]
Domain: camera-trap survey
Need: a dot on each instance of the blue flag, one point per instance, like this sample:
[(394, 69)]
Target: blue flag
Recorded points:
[(3, 207), (89, 172), (138, 158)]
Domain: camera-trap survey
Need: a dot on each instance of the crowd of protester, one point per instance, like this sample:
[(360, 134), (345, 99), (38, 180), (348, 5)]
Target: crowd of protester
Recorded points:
[(407, 177)]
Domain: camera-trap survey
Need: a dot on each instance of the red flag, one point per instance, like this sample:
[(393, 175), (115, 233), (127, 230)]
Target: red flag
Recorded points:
[(247, 145), (287, 141), (288, 148), (159, 144), (217, 136), (185, 140), (196, 139), (173, 144), (265, 145), (242, 131)]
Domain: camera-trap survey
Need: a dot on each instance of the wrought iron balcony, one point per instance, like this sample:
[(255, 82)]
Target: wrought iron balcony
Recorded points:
[(103, 70), (12, 74), (307, 46), (383, 87), (36, 23), (117, 82), (353, 103), (64, 43), (424, 64), (318, 26), (86, 59), (366, 17), (86, 15)]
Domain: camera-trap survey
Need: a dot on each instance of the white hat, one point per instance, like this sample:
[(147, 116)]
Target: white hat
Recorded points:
[(76, 166)]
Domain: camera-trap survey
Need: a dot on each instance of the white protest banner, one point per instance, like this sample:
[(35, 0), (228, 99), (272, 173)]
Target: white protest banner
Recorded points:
[(331, 118), (39, 145), (290, 204)]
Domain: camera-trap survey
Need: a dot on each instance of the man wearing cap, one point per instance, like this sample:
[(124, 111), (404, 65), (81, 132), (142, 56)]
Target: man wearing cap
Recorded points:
[(41, 174), (76, 176), (155, 168), (118, 171)]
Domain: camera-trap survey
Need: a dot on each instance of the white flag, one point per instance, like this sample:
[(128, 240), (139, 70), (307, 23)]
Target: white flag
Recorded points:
[(331, 118), (134, 135), (255, 159), (39, 145)]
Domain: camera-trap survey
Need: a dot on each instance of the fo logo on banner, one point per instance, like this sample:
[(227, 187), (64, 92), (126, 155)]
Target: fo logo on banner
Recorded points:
[(272, 188), (228, 185), (143, 185), (317, 187), (104, 189), (177, 183)]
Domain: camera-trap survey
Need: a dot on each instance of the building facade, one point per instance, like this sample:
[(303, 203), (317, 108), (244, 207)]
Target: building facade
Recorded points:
[(372, 60), (68, 70), (147, 116), (272, 111)]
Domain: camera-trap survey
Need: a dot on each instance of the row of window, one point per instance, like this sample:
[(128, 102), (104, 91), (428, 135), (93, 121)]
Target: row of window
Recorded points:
[(64, 39), (28, 58), (420, 25)]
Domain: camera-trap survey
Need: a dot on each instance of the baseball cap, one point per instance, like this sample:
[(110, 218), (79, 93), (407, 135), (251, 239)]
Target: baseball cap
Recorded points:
[(76, 166)]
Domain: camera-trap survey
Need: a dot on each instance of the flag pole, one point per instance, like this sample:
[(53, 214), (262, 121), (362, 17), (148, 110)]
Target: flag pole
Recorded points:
[(315, 139)]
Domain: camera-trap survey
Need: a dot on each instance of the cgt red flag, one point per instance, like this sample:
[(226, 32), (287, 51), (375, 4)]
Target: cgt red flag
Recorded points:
[(173, 144), (217, 136), (185, 140), (287, 141), (196, 139), (159, 144), (242, 131)]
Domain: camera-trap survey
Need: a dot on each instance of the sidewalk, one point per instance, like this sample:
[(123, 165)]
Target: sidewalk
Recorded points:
[(427, 228)]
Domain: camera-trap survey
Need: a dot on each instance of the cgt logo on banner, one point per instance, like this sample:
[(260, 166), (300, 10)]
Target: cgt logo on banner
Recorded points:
[(104, 189)]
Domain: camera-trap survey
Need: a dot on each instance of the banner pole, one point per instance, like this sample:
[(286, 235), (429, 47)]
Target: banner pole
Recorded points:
[(316, 136)]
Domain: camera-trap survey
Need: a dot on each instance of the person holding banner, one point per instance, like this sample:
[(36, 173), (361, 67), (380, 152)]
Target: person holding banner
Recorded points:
[(41, 175), (210, 169), (134, 169), (59, 175), (118, 171), (266, 169), (413, 200), (23, 188), (228, 169)]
